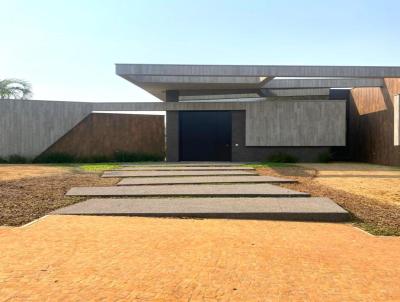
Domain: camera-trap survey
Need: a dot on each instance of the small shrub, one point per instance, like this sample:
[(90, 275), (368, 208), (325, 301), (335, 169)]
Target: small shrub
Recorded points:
[(3, 161), (135, 157), (55, 158), (58, 158), (282, 158), (17, 159), (325, 157)]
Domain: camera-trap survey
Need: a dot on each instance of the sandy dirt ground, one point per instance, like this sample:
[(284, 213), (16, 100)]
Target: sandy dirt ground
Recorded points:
[(378, 182), (378, 214), (25, 199), (83, 258), (14, 172)]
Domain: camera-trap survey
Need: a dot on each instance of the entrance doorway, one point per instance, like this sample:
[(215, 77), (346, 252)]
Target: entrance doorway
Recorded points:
[(205, 135)]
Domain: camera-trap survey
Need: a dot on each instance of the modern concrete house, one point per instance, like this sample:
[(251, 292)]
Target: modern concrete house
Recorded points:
[(248, 113), (237, 113)]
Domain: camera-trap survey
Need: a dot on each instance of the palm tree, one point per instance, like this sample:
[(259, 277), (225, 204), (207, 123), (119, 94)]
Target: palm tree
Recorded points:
[(15, 89)]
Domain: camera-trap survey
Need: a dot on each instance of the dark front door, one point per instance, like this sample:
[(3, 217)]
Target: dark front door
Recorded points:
[(205, 135)]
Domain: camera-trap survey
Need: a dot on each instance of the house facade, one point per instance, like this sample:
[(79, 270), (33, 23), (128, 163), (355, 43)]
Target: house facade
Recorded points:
[(250, 113), (225, 113)]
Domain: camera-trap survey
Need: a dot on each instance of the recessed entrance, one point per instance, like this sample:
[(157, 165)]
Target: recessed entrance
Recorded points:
[(205, 135)]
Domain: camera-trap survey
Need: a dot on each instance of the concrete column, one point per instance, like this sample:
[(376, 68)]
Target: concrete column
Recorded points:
[(172, 125), (172, 136), (172, 95)]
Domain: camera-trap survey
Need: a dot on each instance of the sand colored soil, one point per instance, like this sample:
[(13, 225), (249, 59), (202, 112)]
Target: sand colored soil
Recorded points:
[(355, 187), (28, 198), (82, 258), (14, 172), (373, 181)]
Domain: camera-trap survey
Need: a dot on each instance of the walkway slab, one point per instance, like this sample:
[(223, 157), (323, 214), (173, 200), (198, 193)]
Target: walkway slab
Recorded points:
[(194, 168), (201, 180), (174, 173), (301, 209), (186, 164), (221, 190)]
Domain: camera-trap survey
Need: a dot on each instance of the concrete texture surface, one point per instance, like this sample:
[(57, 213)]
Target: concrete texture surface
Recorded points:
[(126, 133), (201, 180), (304, 209), (174, 173), (222, 190), (187, 71), (323, 83), (185, 164), (296, 123), (34, 126), (86, 258), (243, 153), (159, 79), (204, 168)]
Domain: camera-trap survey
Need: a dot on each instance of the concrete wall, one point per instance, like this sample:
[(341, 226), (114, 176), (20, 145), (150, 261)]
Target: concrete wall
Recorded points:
[(104, 134), (372, 124), (296, 123), (240, 152), (30, 127), (243, 153)]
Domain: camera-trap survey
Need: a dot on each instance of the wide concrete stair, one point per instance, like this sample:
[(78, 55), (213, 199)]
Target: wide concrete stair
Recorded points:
[(184, 168), (213, 190), (122, 173), (189, 180), (235, 192), (305, 209), (186, 164)]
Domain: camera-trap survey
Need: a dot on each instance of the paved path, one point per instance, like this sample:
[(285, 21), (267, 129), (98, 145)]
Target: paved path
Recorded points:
[(82, 258), (176, 192), (305, 209), (174, 173), (199, 168), (186, 164), (221, 190), (201, 180)]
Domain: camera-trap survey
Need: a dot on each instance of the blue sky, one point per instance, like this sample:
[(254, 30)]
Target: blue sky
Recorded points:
[(67, 49)]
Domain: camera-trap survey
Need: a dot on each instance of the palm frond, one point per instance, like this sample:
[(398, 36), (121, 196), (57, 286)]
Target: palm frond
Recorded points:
[(15, 89)]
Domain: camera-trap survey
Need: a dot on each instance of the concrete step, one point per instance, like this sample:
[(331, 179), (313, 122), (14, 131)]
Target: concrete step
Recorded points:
[(220, 168), (214, 190), (300, 209), (174, 173), (136, 181), (185, 164)]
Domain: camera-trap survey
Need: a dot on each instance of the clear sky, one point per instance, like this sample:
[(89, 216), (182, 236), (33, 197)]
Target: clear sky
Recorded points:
[(67, 49)]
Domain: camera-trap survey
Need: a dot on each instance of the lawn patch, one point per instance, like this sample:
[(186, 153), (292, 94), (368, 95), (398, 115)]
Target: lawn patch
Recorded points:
[(98, 167), (268, 164)]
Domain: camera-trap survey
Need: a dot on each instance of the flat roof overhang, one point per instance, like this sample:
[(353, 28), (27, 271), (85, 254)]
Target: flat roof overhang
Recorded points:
[(194, 80)]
